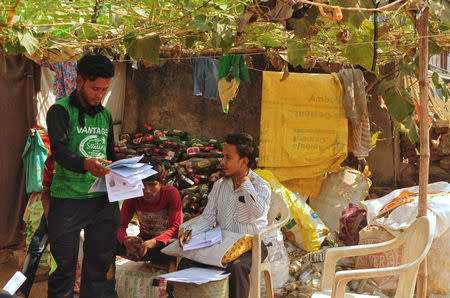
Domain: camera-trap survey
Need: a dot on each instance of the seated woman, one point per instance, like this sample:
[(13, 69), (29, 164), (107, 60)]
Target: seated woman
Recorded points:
[(159, 213)]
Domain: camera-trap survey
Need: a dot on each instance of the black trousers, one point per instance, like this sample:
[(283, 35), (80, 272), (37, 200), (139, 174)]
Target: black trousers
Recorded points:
[(239, 279), (100, 220)]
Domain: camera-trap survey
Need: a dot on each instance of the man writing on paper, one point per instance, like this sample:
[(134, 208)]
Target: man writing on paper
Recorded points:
[(238, 202), (159, 212), (81, 139)]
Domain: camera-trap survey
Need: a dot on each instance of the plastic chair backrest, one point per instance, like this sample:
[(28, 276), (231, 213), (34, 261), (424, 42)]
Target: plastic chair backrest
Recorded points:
[(277, 209), (277, 215), (416, 239)]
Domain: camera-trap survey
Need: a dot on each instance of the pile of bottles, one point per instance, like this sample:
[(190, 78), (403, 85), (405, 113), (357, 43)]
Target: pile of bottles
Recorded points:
[(192, 163)]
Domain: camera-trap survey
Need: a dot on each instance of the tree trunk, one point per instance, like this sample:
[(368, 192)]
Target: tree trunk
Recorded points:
[(424, 139)]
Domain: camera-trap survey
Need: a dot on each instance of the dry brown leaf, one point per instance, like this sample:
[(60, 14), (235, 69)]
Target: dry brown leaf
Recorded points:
[(249, 61), (175, 53), (344, 35), (275, 59), (285, 72), (310, 62)]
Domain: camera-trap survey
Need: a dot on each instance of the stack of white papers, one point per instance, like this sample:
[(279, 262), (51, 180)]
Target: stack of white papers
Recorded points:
[(125, 179), (204, 239), (195, 275)]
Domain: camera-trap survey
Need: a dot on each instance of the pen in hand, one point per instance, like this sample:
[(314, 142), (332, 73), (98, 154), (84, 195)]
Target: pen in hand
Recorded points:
[(186, 236)]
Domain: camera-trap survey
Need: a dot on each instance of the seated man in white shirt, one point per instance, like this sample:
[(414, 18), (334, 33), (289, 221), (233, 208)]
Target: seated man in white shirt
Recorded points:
[(239, 202)]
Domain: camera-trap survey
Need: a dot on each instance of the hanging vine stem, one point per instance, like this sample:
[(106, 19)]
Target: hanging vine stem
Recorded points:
[(97, 7), (11, 14)]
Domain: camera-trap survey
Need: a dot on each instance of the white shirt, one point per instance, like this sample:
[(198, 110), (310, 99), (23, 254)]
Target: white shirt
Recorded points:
[(243, 210)]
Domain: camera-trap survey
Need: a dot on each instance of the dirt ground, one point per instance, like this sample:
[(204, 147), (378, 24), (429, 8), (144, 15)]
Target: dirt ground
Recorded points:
[(9, 265), (12, 261)]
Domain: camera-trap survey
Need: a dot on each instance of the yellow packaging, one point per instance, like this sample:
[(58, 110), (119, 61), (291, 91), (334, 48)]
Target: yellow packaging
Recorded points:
[(305, 229)]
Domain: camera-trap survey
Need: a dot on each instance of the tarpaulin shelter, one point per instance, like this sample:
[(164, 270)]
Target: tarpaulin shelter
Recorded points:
[(19, 82)]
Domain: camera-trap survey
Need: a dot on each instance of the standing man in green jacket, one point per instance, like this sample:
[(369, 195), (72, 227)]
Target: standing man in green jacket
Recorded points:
[(81, 139)]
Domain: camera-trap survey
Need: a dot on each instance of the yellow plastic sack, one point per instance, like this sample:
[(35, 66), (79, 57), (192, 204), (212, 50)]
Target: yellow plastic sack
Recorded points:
[(304, 131), (239, 248), (32, 217), (306, 229)]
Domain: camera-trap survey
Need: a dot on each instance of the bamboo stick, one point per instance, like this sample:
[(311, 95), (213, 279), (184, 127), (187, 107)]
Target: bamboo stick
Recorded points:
[(424, 139)]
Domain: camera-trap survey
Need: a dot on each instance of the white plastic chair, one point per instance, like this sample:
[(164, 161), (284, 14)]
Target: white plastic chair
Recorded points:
[(277, 217), (416, 241)]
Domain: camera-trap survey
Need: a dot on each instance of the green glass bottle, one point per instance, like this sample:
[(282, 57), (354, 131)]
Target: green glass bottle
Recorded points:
[(214, 153), (192, 189), (196, 143), (182, 135), (203, 165), (170, 173), (198, 138)]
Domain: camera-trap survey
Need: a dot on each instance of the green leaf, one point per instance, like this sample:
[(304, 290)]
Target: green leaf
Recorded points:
[(146, 48), (199, 22), (435, 79), (190, 40), (110, 16), (188, 5), (28, 41), (433, 48), (359, 53), (384, 86), (374, 139), (296, 52), (441, 86), (355, 18), (408, 69), (367, 28), (222, 37), (444, 26), (87, 32), (399, 106), (268, 41), (13, 48), (441, 8), (409, 129), (301, 26), (127, 40)]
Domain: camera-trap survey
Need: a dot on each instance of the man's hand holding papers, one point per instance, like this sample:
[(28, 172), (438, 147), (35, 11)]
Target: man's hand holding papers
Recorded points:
[(96, 167), (204, 239), (124, 180)]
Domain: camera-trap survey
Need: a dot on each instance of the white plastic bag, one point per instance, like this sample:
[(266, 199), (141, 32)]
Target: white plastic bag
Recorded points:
[(403, 216), (337, 191), (278, 258)]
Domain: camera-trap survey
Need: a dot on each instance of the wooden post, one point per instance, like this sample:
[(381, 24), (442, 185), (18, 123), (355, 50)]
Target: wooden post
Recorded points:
[(424, 139)]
